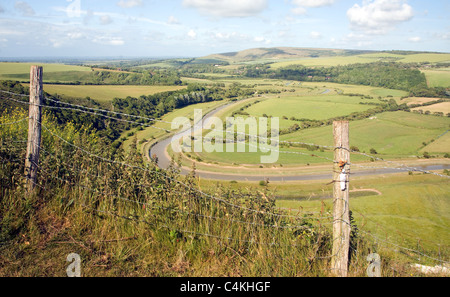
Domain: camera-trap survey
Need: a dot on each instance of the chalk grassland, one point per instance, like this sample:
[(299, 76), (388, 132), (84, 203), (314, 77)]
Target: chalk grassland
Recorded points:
[(20, 68), (105, 93), (366, 58), (439, 145), (52, 72), (417, 100), (409, 207), (439, 107), (392, 134), (438, 78), (308, 107)]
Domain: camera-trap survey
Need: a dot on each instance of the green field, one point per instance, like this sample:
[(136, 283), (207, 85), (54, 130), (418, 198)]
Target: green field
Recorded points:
[(106, 93), (319, 107), (365, 58), (390, 133), (438, 78), (410, 207), (396, 213), (20, 68), (52, 72)]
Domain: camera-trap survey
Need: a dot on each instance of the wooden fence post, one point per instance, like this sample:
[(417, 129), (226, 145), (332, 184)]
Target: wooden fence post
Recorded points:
[(34, 125), (341, 222)]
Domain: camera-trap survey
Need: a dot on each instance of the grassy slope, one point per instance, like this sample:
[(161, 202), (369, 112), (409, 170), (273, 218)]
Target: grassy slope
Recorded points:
[(107, 93), (52, 72), (410, 207), (391, 133), (438, 78), (366, 58)]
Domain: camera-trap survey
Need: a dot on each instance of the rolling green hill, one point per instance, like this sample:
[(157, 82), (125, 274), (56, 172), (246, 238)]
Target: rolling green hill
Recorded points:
[(280, 53)]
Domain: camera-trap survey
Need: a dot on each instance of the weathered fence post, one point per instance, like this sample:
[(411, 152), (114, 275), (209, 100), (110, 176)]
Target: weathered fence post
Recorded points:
[(341, 222), (34, 125)]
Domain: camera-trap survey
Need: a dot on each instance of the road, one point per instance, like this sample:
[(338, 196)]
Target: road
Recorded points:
[(160, 150)]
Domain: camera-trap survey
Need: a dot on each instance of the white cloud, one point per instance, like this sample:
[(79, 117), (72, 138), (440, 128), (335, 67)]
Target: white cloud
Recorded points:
[(313, 3), (173, 20), (379, 16), (415, 39), (301, 4), (129, 3), (299, 10), (24, 8), (192, 34), (105, 20), (262, 39), (108, 40), (315, 35), (75, 35), (227, 8)]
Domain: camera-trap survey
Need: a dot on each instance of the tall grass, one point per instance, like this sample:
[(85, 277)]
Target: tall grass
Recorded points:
[(127, 218)]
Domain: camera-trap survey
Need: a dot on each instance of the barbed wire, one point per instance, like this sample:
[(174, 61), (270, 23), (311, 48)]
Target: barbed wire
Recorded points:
[(162, 121), (149, 206), (13, 123), (162, 174), (404, 248), (404, 167), (137, 218), (89, 112)]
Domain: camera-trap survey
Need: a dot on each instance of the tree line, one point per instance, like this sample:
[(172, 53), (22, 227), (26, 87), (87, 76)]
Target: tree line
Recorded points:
[(391, 75)]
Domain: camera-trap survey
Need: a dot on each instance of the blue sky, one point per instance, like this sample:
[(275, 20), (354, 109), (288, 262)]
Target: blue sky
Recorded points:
[(192, 28)]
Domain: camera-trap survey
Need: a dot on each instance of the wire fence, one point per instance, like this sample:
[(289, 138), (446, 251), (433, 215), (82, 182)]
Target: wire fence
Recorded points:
[(320, 219)]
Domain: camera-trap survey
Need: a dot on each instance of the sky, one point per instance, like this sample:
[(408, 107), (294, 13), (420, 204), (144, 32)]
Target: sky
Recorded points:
[(195, 28)]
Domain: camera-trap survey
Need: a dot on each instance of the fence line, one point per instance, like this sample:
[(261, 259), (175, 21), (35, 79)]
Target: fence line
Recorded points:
[(158, 120), (405, 167), (220, 199), (186, 213), (148, 206), (249, 223), (240, 222), (160, 173)]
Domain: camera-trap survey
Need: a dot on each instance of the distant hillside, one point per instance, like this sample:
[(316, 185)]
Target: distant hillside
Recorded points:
[(280, 53)]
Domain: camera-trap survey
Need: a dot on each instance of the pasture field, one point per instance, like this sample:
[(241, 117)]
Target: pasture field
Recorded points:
[(319, 107), (52, 72), (409, 207), (20, 68), (438, 77), (440, 145), (105, 93), (417, 100), (366, 58), (391, 134), (438, 107)]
